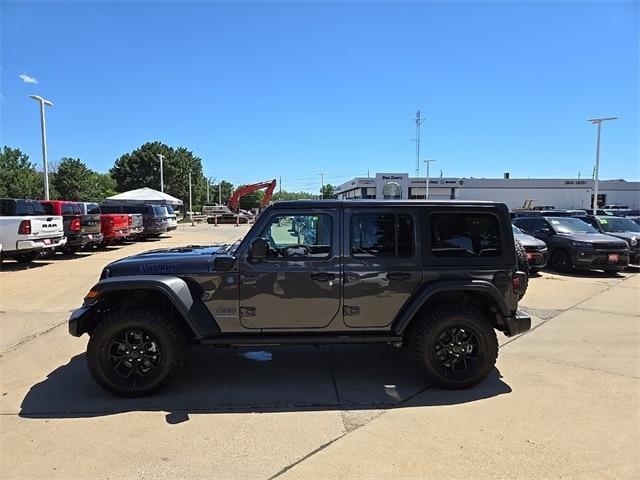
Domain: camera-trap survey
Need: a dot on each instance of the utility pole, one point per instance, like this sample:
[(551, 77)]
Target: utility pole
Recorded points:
[(161, 158), (321, 184), (280, 184), (43, 131), (427, 162), (419, 122), (220, 193), (598, 122), (190, 202)]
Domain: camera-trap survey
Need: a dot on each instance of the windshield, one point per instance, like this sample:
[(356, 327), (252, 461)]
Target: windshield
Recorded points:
[(159, 210), (570, 225), (618, 224), (170, 210), (516, 230)]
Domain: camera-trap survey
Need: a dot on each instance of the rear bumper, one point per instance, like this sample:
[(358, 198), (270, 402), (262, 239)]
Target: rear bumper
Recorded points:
[(82, 239), (40, 243), (518, 323)]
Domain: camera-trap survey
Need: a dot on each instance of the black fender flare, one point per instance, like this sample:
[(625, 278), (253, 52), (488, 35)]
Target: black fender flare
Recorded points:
[(174, 289), (483, 287)]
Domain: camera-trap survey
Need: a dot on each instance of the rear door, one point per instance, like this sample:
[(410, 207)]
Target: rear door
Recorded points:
[(382, 264)]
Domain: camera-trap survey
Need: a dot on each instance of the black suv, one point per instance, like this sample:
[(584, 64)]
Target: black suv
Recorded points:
[(440, 277), (573, 243), (620, 227)]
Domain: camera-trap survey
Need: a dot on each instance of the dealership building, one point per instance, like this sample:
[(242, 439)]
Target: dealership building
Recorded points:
[(559, 192)]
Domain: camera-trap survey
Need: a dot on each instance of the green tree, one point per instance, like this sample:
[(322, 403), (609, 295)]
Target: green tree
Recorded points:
[(251, 200), (141, 168), (103, 186), (73, 180), (284, 195), (328, 191), (18, 176), (226, 189)]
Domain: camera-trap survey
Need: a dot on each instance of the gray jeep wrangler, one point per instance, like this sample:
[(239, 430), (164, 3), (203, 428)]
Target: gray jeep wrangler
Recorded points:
[(438, 277)]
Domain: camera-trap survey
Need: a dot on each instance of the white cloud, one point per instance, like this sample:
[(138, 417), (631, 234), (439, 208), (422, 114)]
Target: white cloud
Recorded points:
[(27, 79)]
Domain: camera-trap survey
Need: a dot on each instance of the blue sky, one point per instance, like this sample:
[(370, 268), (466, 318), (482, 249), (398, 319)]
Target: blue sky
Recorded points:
[(262, 90)]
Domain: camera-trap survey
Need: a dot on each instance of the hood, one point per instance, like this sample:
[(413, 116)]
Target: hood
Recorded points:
[(627, 236), (528, 240), (591, 237), (167, 261)]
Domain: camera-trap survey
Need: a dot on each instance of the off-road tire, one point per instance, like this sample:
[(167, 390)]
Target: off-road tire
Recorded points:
[(170, 344), (523, 266), (424, 343), (560, 261)]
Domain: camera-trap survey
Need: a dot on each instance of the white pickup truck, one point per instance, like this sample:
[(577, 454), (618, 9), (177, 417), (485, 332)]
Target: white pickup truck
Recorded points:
[(25, 229)]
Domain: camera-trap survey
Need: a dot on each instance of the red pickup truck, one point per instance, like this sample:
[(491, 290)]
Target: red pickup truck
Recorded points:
[(114, 226)]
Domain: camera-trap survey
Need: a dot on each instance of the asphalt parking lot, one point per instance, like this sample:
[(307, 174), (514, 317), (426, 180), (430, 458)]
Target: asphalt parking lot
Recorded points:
[(564, 401)]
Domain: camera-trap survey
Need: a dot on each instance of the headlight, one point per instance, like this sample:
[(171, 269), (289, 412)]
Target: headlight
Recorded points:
[(633, 242), (585, 245)]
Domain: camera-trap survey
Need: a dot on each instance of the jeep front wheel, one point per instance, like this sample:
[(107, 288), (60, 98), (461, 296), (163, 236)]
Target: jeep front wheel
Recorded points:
[(135, 352), (455, 345)]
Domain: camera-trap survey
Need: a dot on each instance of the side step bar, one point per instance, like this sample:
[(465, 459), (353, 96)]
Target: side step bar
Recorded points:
[(266, 339)]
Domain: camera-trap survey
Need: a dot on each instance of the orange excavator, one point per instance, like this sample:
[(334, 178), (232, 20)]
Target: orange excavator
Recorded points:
[(270, 185)]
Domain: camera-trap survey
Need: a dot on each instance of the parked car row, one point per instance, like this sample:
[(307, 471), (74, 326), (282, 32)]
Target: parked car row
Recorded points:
[(583, 242), (31, 228)]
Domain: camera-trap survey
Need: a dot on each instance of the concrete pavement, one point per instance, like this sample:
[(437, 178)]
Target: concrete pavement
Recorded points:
[(563, 402)]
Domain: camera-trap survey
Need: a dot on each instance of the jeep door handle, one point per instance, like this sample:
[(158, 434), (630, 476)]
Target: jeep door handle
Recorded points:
[(400, 276), (323, 277), (248, 279)]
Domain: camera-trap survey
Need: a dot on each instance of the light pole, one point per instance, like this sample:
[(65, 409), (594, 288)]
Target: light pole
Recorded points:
[(598, 122), (43, 129), (190, 203), (321, 184), (427, 162), (161, 158)]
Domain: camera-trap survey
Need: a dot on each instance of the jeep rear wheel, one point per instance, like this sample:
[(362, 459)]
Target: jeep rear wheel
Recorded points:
[(135, 352), (455, 345)]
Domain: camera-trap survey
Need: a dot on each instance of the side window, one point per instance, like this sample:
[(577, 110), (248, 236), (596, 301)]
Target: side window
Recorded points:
[(67, 209), (294, 236), (465, 235), (381, 235), (538, 224)]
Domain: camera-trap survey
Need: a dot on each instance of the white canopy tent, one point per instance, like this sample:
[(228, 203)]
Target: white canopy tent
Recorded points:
[(143, 195)]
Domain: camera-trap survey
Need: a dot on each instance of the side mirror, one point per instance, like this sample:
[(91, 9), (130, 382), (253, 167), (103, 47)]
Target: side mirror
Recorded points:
[(259, 248)]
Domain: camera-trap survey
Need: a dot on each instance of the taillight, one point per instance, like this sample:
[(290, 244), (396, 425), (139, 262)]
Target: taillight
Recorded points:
[(518, 282), (110, 221), (130, 221), (25, 227), (75, 225)]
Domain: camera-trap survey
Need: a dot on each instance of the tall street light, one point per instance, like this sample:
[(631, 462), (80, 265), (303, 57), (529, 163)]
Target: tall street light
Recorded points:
[(161, 158), (598, 122), (321, 184), (43, 129), (427, 162)]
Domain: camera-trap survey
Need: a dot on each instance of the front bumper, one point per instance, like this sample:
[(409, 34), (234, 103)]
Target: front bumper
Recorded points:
[(40, 243), (586, 260), (518, 323), (78, 320), (537, 258)]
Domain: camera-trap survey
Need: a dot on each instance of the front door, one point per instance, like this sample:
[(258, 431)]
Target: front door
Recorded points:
[(297, 286), (382, 265)]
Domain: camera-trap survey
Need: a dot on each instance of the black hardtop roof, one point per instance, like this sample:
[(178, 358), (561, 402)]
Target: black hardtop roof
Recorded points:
[(289, 204)]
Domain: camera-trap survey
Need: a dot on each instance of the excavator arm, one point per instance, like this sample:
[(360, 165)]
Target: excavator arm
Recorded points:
[(234, 201)]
